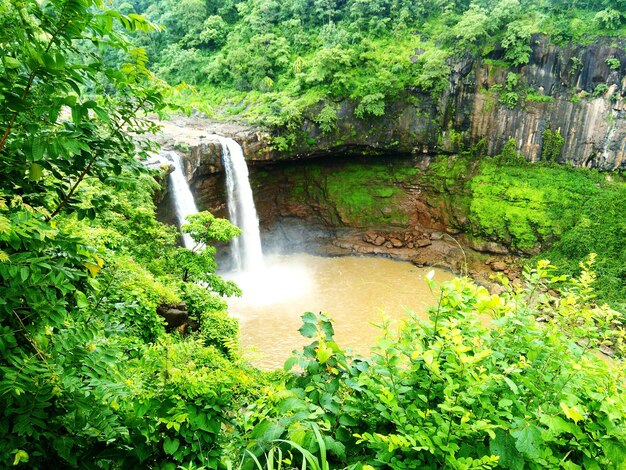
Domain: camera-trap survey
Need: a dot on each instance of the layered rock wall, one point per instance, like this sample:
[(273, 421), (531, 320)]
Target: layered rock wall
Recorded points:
[(579, 91)]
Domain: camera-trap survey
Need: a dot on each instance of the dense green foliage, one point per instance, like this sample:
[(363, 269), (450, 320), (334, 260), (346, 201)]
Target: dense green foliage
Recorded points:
[(87, 373), (282, 62), (460, 392)]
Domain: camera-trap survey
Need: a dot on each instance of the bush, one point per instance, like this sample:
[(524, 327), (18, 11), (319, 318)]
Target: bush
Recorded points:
[(456, 390)]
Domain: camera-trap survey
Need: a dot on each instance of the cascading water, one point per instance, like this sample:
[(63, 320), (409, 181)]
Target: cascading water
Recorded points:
[(183, 199), (247, 252)]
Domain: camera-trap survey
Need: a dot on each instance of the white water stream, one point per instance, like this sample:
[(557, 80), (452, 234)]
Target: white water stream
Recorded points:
[(246, 248), (183, 199)]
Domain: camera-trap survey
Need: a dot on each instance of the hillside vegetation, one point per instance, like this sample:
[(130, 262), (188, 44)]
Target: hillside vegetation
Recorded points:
[(276, 62)]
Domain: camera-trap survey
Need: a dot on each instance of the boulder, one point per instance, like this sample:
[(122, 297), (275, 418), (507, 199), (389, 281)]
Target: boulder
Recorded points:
[(499, 266)]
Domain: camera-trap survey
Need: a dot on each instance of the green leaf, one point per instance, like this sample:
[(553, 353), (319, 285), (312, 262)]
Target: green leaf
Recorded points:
[(614, 450), (267, 430), (170, 446), (102, 114), (572, 413), (38, 149), (347, 420), (309, 317), (323, 352), (528, 441), (289, 363), (81, 299), (11, 63), (511, 385), (503, 445), (308, 330), (77, 114), (36, 172), (20, 456)]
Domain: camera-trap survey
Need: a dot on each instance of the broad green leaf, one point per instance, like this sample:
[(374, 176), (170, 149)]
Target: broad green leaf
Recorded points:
[(11, 62), (323, 352), (77, 114), (95, 267), (616, 451), (170, 446), (36, 172), (511, 385), (267, 430), (81, 299), (503, 445), (308, 330), (20, 457), (428, 356), (528, 441), (309, 317), (572, 413), (347, 420), (289, 363), (38, 149)]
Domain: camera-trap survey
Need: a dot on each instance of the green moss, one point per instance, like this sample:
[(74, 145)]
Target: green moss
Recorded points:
[(365, 194)]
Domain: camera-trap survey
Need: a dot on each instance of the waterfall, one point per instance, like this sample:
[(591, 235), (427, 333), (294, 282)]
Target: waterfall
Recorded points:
[(247, 253), (183, 199)]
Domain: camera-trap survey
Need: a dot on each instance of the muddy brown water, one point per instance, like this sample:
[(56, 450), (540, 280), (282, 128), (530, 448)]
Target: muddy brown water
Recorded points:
[(355, 292)]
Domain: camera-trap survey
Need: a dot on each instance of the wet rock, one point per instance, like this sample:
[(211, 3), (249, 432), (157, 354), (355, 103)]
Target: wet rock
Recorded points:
[(396, 242), (498, 266), (485, 246), (424, 242), (369, 237), (374, 238), (174, 317)]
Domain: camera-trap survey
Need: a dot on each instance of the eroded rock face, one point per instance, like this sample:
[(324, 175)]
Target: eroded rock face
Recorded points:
[(578, 90), (571, 79)]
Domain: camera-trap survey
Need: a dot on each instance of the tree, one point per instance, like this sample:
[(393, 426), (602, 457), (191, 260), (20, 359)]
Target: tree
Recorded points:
[(64, 116)]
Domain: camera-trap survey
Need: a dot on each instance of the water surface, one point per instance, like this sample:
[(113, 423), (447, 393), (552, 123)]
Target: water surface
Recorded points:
[(352, 291)]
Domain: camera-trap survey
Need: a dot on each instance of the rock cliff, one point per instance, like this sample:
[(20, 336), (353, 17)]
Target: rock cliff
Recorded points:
[(577, 91)]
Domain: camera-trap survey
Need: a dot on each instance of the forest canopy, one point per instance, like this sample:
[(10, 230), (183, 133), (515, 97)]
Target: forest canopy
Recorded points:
[(257, 56)]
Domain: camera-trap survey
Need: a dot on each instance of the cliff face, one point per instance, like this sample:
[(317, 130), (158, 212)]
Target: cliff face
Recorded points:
[(577, 91), (585, 92)]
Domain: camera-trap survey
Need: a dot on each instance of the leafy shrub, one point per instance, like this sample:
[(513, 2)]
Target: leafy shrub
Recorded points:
[(373, 105), (552, 143), (609, 18), (327, 118), (533, 96), (434, 72), (452, 390), (600, 90), (516, 42), (221, 331), (613, 63)]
